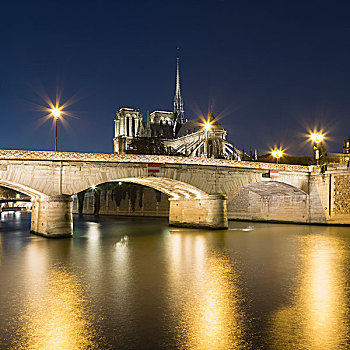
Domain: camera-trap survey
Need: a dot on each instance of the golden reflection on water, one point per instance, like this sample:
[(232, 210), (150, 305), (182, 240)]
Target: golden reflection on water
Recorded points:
[(93, 235), (122, 265), (211, 316), (317, 317), (58, 317)]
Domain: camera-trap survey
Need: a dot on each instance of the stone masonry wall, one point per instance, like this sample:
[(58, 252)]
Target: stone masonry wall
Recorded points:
[(341, 203), (248, 205)]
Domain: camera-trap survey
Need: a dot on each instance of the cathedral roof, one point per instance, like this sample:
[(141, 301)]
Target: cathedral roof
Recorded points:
[(197, 124)]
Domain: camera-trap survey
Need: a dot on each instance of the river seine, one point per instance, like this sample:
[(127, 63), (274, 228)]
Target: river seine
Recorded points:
[(138, 284)]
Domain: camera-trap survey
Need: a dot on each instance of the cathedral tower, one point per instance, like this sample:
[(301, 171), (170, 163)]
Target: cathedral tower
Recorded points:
[(179, 115)]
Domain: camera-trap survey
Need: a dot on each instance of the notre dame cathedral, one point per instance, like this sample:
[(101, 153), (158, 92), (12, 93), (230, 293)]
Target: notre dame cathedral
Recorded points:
[(170, 133)]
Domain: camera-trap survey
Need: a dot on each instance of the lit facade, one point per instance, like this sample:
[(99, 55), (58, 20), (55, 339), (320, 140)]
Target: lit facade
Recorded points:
[(171, 133)]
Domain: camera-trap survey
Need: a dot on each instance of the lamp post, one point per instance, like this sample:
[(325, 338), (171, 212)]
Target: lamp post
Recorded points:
[(277, 154), (317, 139), (56, 114), (207, 127)]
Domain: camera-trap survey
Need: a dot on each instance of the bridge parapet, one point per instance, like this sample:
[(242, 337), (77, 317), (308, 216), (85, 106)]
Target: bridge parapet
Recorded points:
[(135, 158), (337, 167)]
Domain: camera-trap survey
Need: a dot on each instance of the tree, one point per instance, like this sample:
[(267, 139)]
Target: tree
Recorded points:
[(288, 159)]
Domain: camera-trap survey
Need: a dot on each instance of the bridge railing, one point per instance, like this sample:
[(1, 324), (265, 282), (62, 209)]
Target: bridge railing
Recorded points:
[(135, 158)]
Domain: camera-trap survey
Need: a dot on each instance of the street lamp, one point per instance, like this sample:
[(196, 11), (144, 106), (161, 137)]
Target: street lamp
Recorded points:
[(277, 154), (56, 112), (317, 139), (207, 127)]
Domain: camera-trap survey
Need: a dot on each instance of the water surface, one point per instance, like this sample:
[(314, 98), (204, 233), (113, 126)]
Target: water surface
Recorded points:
[(138, 284)]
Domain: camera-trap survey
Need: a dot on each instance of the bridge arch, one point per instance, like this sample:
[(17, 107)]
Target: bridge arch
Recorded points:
[(174, 189), (269, 201), (51, 215), (189, 206), (32, 193)]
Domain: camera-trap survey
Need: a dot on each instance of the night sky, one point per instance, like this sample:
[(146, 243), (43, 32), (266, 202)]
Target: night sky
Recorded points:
[(272, 69)]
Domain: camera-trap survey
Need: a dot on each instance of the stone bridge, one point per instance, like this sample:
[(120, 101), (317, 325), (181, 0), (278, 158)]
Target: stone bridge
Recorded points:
[(202, 192)]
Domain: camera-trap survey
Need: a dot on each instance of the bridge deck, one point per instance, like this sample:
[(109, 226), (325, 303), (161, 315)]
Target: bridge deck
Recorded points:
[(134, 158)]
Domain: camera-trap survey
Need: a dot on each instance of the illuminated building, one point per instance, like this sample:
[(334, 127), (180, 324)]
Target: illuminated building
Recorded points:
[(170, 133)]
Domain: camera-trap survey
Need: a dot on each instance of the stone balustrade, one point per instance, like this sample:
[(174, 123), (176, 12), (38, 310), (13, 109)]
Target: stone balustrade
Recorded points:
[(135, 158)]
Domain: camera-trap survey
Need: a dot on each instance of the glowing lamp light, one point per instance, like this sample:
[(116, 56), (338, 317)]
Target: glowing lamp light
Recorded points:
[(316, 137), (207, 126), (277, 154), (93, 187), (56, 112)]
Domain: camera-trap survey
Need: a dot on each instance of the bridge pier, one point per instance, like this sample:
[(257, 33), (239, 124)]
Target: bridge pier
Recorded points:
[(208, 212), (52, 216)]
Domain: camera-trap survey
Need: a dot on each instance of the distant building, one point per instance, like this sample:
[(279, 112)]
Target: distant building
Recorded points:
[(166, 132), (341, 157), (346, 146)]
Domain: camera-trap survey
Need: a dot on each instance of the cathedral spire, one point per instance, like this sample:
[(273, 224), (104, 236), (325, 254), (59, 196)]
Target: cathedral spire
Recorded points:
[(177, 89), (179, 115), (211, 115)]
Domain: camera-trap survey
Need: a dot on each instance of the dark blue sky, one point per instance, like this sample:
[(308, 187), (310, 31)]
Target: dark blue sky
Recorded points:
[(272, 68)]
